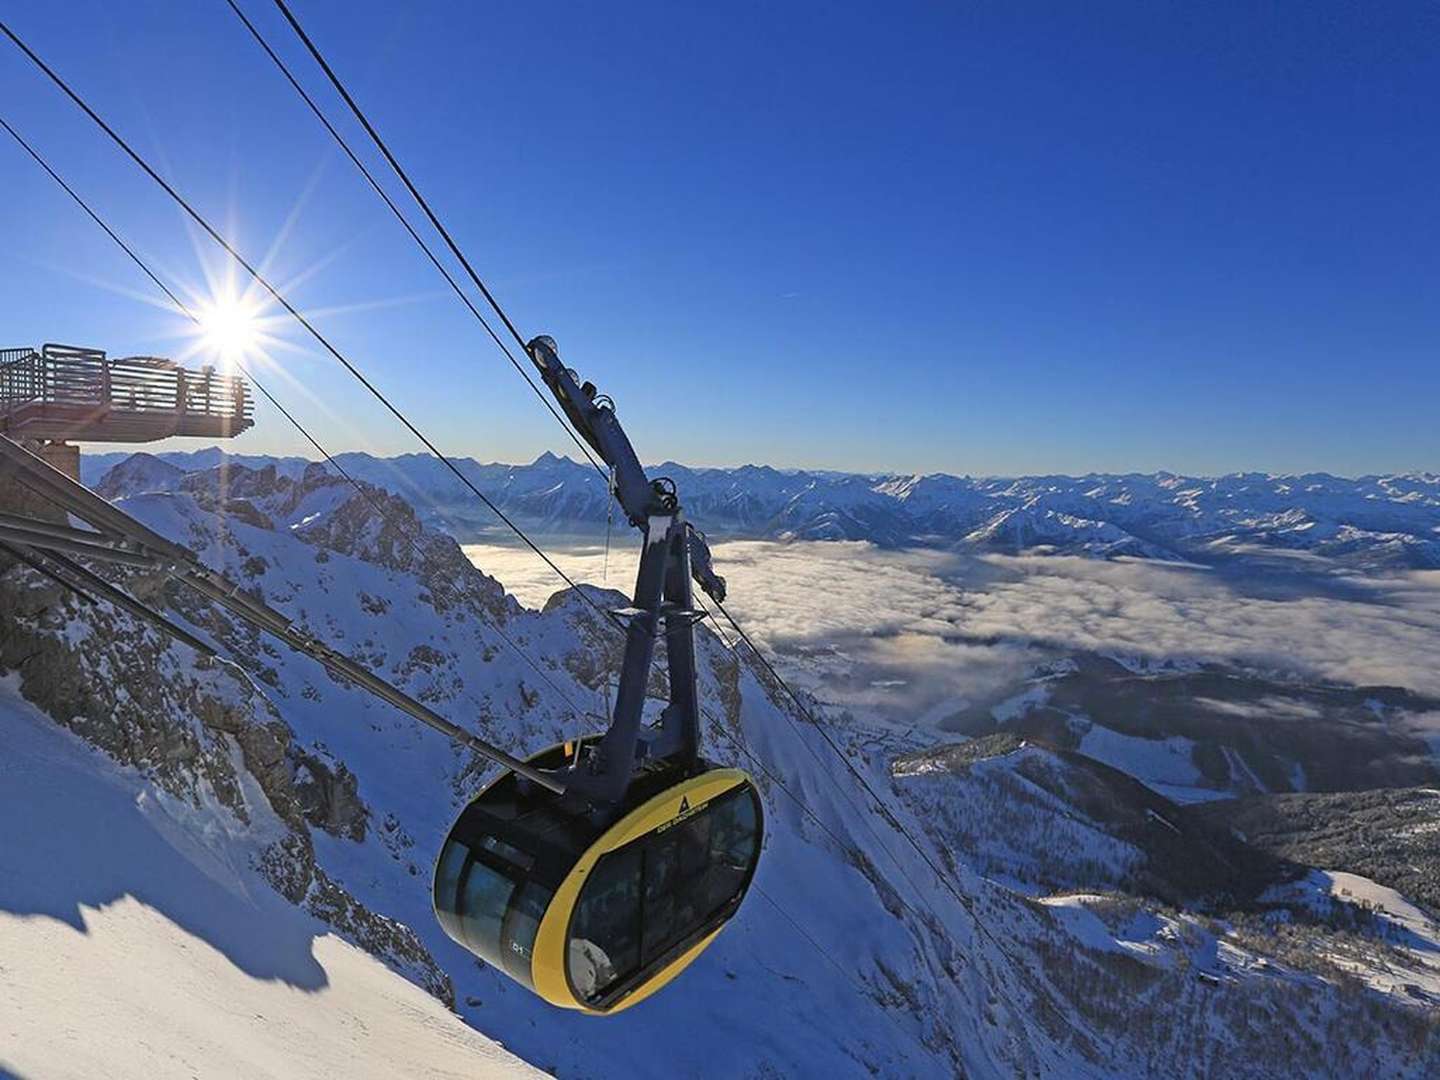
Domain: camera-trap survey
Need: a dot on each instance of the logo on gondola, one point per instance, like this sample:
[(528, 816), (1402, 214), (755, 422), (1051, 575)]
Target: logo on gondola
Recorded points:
[(684, 804)]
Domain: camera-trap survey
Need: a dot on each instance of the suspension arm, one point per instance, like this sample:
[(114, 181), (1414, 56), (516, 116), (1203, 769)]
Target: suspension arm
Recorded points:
[(641, 498), (594, 418)]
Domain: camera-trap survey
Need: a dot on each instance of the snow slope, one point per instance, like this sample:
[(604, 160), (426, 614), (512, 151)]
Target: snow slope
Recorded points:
[(137, 942), (1412, 962), (852, 956), (326, 561), (1167, 765)]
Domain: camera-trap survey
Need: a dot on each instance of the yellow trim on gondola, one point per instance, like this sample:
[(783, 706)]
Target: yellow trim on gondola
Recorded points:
[(548, 963)]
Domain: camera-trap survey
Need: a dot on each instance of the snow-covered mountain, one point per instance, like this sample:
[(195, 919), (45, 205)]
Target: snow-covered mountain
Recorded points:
[(1372, 521), (850, 958), (1196, 732), (1097, 825)]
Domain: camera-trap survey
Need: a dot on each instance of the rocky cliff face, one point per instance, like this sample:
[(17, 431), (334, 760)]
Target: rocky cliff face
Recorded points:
[(194, 726)]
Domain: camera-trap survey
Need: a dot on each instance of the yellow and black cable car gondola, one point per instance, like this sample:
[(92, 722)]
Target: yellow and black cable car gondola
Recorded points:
[(595, 872), (598, 911)]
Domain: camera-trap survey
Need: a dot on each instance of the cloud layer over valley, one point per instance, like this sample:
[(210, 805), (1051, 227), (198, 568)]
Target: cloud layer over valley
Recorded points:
[(925, 632)]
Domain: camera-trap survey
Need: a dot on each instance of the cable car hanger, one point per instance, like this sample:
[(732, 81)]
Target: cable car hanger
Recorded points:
[(597, 899), (671, 555)]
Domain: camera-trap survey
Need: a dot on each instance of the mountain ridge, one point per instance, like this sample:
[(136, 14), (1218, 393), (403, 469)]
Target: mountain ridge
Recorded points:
[(937, 975), (1371, 522)]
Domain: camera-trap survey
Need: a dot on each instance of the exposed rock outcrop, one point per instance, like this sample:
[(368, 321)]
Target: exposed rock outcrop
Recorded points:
[(191, 725)]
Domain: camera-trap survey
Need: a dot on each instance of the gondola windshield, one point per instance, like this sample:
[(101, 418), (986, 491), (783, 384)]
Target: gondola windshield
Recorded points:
[(661, 892)]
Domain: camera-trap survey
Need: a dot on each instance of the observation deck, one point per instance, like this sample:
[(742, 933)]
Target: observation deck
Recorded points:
[(62, 393)]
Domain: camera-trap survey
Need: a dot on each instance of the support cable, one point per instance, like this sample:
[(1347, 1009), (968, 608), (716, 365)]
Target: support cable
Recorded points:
[(835, 748), (715, 625), (845, 973), (364, 381), (83, 582), (181, 564), (863, 817), (364, 492), (965, 902), (399, 171), (840, 842), (400, 217), (474, 277), (420, 200)]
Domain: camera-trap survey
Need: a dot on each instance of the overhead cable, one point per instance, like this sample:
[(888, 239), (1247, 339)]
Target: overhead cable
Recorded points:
[(295, 313), (364, 492), (400, 217)]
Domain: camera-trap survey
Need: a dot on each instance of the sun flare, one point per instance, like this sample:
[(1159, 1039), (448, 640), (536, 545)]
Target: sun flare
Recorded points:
[(230, 326)]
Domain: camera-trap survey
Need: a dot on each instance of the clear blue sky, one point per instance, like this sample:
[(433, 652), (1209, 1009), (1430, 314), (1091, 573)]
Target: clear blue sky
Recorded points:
[(990, 238)]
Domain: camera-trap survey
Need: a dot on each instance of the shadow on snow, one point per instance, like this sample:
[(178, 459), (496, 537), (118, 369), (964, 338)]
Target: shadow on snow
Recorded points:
[(81, 835)]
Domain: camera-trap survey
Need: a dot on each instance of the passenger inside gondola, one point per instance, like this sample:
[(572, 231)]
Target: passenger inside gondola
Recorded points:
[(605, 938), (645, 900)]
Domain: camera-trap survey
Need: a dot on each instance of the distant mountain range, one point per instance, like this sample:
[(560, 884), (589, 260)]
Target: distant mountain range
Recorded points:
[(1372, 522)]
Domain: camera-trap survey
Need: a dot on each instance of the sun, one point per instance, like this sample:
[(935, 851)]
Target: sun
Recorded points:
[(230, 326)]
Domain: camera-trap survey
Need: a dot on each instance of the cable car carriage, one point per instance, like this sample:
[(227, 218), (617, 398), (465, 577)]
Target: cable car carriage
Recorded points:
[(596, 873), (596, 911)]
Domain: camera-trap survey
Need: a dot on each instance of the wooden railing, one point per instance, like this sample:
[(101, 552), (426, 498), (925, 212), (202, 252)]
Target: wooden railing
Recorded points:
[(69, 378), (17, 375), (61, 375)]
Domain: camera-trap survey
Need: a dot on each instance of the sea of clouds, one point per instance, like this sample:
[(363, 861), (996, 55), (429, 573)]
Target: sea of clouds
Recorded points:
[(927, 632)]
